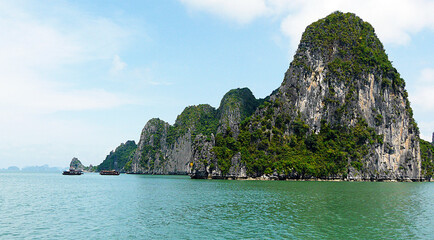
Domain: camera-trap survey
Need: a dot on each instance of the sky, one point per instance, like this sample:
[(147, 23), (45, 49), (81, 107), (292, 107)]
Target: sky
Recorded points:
[(77, 78)]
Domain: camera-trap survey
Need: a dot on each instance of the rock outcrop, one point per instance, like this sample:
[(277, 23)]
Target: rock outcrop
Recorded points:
[(342, 112), (166, 149), (235, 106), (120, 159), (341, 75), (157, 153), (76, 165), (427, 157)]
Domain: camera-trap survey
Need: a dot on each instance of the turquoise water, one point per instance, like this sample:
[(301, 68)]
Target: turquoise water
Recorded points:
[(53, 206)]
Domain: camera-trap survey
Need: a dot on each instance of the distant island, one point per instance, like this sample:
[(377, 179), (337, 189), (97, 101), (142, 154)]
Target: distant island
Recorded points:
[(76, 165), (43, 168), (341, 113)]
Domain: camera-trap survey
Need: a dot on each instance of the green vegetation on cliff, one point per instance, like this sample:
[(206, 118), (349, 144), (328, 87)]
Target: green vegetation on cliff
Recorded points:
[(327, 119), (204, 119), (272, 141), (299, 154), (117, 159), (427, 156), (200, 119), (352, 50), (240, 98), (351, 46), (152, 150), (196, 120)]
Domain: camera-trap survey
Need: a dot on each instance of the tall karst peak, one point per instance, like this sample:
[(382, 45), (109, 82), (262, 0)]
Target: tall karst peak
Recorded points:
[(341, 112), (342, 35), (239, 96), (342, 80), (235, 106)]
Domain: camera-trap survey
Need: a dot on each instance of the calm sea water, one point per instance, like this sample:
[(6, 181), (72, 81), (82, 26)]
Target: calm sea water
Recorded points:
[(53, 206)]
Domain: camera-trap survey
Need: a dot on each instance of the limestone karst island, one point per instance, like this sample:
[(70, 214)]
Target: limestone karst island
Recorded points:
[(341, 113), (217, 119)]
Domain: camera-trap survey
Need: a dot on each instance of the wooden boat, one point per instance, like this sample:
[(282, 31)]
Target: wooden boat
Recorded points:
[(72, 172), (108, 172)]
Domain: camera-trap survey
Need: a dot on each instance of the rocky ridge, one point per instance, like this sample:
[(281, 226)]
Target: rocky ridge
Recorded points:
[(167, 149), (76, 165), (119, 159), (342, 112)]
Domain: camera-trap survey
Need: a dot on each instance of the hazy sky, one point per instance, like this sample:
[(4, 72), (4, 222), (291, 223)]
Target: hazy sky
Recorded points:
[(77, 78)]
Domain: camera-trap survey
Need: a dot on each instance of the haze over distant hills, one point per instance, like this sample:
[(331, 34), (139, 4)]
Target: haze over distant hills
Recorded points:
[(43, 168)]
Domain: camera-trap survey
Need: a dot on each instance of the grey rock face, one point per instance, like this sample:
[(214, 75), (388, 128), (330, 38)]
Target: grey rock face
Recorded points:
[(155, 156), (385, 109), (235, 106), (338, 79), (204, 160), (316, 89), (166, 149), (76, 164), (397, 158)]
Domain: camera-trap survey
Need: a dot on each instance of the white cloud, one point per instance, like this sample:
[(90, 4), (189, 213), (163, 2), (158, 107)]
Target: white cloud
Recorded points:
[(30, 41), (117, 65), (146, 76), (38, 50), (136, 77), (422, 96), (30, 139), (241, 11), (394, 20), (426, 129), (27, 92), (34, 48), (427, 76), (422, 99)]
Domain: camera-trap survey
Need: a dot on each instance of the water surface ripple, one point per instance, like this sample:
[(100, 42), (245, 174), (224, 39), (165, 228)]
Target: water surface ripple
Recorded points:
[(52, 206)]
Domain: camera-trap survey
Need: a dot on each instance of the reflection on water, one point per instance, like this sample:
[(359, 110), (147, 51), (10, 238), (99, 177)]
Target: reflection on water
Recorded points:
[(136, 206)]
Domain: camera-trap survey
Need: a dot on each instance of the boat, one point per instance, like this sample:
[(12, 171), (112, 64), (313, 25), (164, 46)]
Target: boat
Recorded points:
[(108, 172), (72, 172)]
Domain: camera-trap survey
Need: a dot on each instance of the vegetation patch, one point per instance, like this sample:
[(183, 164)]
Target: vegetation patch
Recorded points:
[(426, 154), (118, 158)]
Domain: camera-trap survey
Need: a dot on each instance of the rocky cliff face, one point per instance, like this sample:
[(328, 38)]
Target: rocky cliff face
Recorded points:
[(120, 159), (342, 76), (166, 149), (427, 157), (342, 112), (235, 106), (76, 165)]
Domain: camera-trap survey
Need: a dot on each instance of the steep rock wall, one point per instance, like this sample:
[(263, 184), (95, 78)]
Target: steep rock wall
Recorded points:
[(342, 111), (154, 155), (166, 149)]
